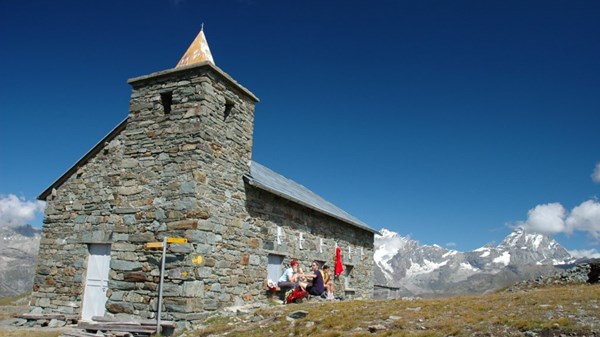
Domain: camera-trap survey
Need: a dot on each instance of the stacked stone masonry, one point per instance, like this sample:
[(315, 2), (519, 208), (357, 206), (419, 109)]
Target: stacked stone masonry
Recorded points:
[(181, 174)]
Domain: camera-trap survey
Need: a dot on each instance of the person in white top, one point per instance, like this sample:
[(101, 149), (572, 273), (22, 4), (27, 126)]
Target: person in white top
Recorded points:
[(289, 279)]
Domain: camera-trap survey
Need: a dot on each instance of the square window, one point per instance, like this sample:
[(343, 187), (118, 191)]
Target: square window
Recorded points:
[(274, 269), (348, 276)]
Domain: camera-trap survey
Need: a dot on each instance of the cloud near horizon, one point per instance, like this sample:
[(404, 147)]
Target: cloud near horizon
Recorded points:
[(15, 211), (589, 253), (553, 218), (596, 174)]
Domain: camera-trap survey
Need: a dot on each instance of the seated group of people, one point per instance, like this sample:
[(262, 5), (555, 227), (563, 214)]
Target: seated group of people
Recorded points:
[(322, 283)]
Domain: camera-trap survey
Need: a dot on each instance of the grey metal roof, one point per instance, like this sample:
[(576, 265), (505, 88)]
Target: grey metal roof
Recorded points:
[(273, 182)]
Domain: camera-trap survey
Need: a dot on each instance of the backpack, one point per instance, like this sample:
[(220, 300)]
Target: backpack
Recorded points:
[(295, 295)]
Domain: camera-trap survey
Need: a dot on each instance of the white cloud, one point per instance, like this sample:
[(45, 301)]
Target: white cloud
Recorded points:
[(451, 244), (547, 219), (15, 211), (551, 219), (589, 253), (596, 174), (585, 218)]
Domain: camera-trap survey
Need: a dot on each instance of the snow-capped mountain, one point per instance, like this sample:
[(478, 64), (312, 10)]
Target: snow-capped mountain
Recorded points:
[(527, 248), (18, 252), (433, 270)]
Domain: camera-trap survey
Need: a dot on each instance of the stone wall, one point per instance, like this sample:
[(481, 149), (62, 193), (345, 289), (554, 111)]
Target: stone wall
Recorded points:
[(185, 179), (321, 234), (179, 173), (85, 209)]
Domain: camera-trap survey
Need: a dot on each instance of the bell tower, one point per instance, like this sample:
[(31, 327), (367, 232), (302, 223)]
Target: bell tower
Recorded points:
[(194, 105), (186, 147)]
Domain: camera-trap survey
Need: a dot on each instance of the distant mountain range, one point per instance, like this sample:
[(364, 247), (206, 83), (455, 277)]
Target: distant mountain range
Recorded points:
[(422, 270), (18, 253)]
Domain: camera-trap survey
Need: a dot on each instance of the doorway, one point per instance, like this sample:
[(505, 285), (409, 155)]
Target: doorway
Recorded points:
[(96, 282)]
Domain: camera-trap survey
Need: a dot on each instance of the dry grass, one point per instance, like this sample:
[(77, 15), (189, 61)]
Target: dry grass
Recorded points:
[(28, 333), (559, 308), (13, 301), (573, 310), (9, 307)]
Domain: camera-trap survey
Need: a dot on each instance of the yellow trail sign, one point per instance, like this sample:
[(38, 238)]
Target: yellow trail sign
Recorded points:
[(177, 240), (151, 245)]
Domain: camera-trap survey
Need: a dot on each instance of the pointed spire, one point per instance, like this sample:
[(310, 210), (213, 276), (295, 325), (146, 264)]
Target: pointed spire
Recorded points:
[(197, 52)]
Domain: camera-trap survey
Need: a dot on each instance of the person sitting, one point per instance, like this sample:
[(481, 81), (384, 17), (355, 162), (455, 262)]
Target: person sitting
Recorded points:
[(328, 282), (317, 287), (289, 279)]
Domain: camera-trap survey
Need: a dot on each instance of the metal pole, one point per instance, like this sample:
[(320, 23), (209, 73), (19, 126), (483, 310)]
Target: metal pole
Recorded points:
[(160, 289)]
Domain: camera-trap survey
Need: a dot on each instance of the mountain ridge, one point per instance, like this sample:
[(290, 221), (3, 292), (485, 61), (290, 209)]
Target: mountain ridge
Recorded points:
[(432, 270), (18, 257)]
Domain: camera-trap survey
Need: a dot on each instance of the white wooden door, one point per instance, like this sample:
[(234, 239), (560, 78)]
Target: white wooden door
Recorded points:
[(96, 283)]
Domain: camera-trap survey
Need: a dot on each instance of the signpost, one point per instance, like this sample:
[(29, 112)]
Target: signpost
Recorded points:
[(163, 245)]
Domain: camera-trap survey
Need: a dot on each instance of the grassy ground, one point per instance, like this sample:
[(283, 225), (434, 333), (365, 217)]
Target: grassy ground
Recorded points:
[(572, 310), (28, 333), (10, 306)]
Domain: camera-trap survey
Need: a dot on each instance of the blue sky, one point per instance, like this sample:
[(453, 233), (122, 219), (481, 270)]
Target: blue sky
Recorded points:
[(448, 121)]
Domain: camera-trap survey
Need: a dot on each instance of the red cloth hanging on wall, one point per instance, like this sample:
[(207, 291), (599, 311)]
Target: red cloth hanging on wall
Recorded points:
[(339, 267)]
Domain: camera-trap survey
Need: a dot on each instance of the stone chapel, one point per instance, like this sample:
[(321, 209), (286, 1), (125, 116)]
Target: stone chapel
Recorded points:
[(180, 167)]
